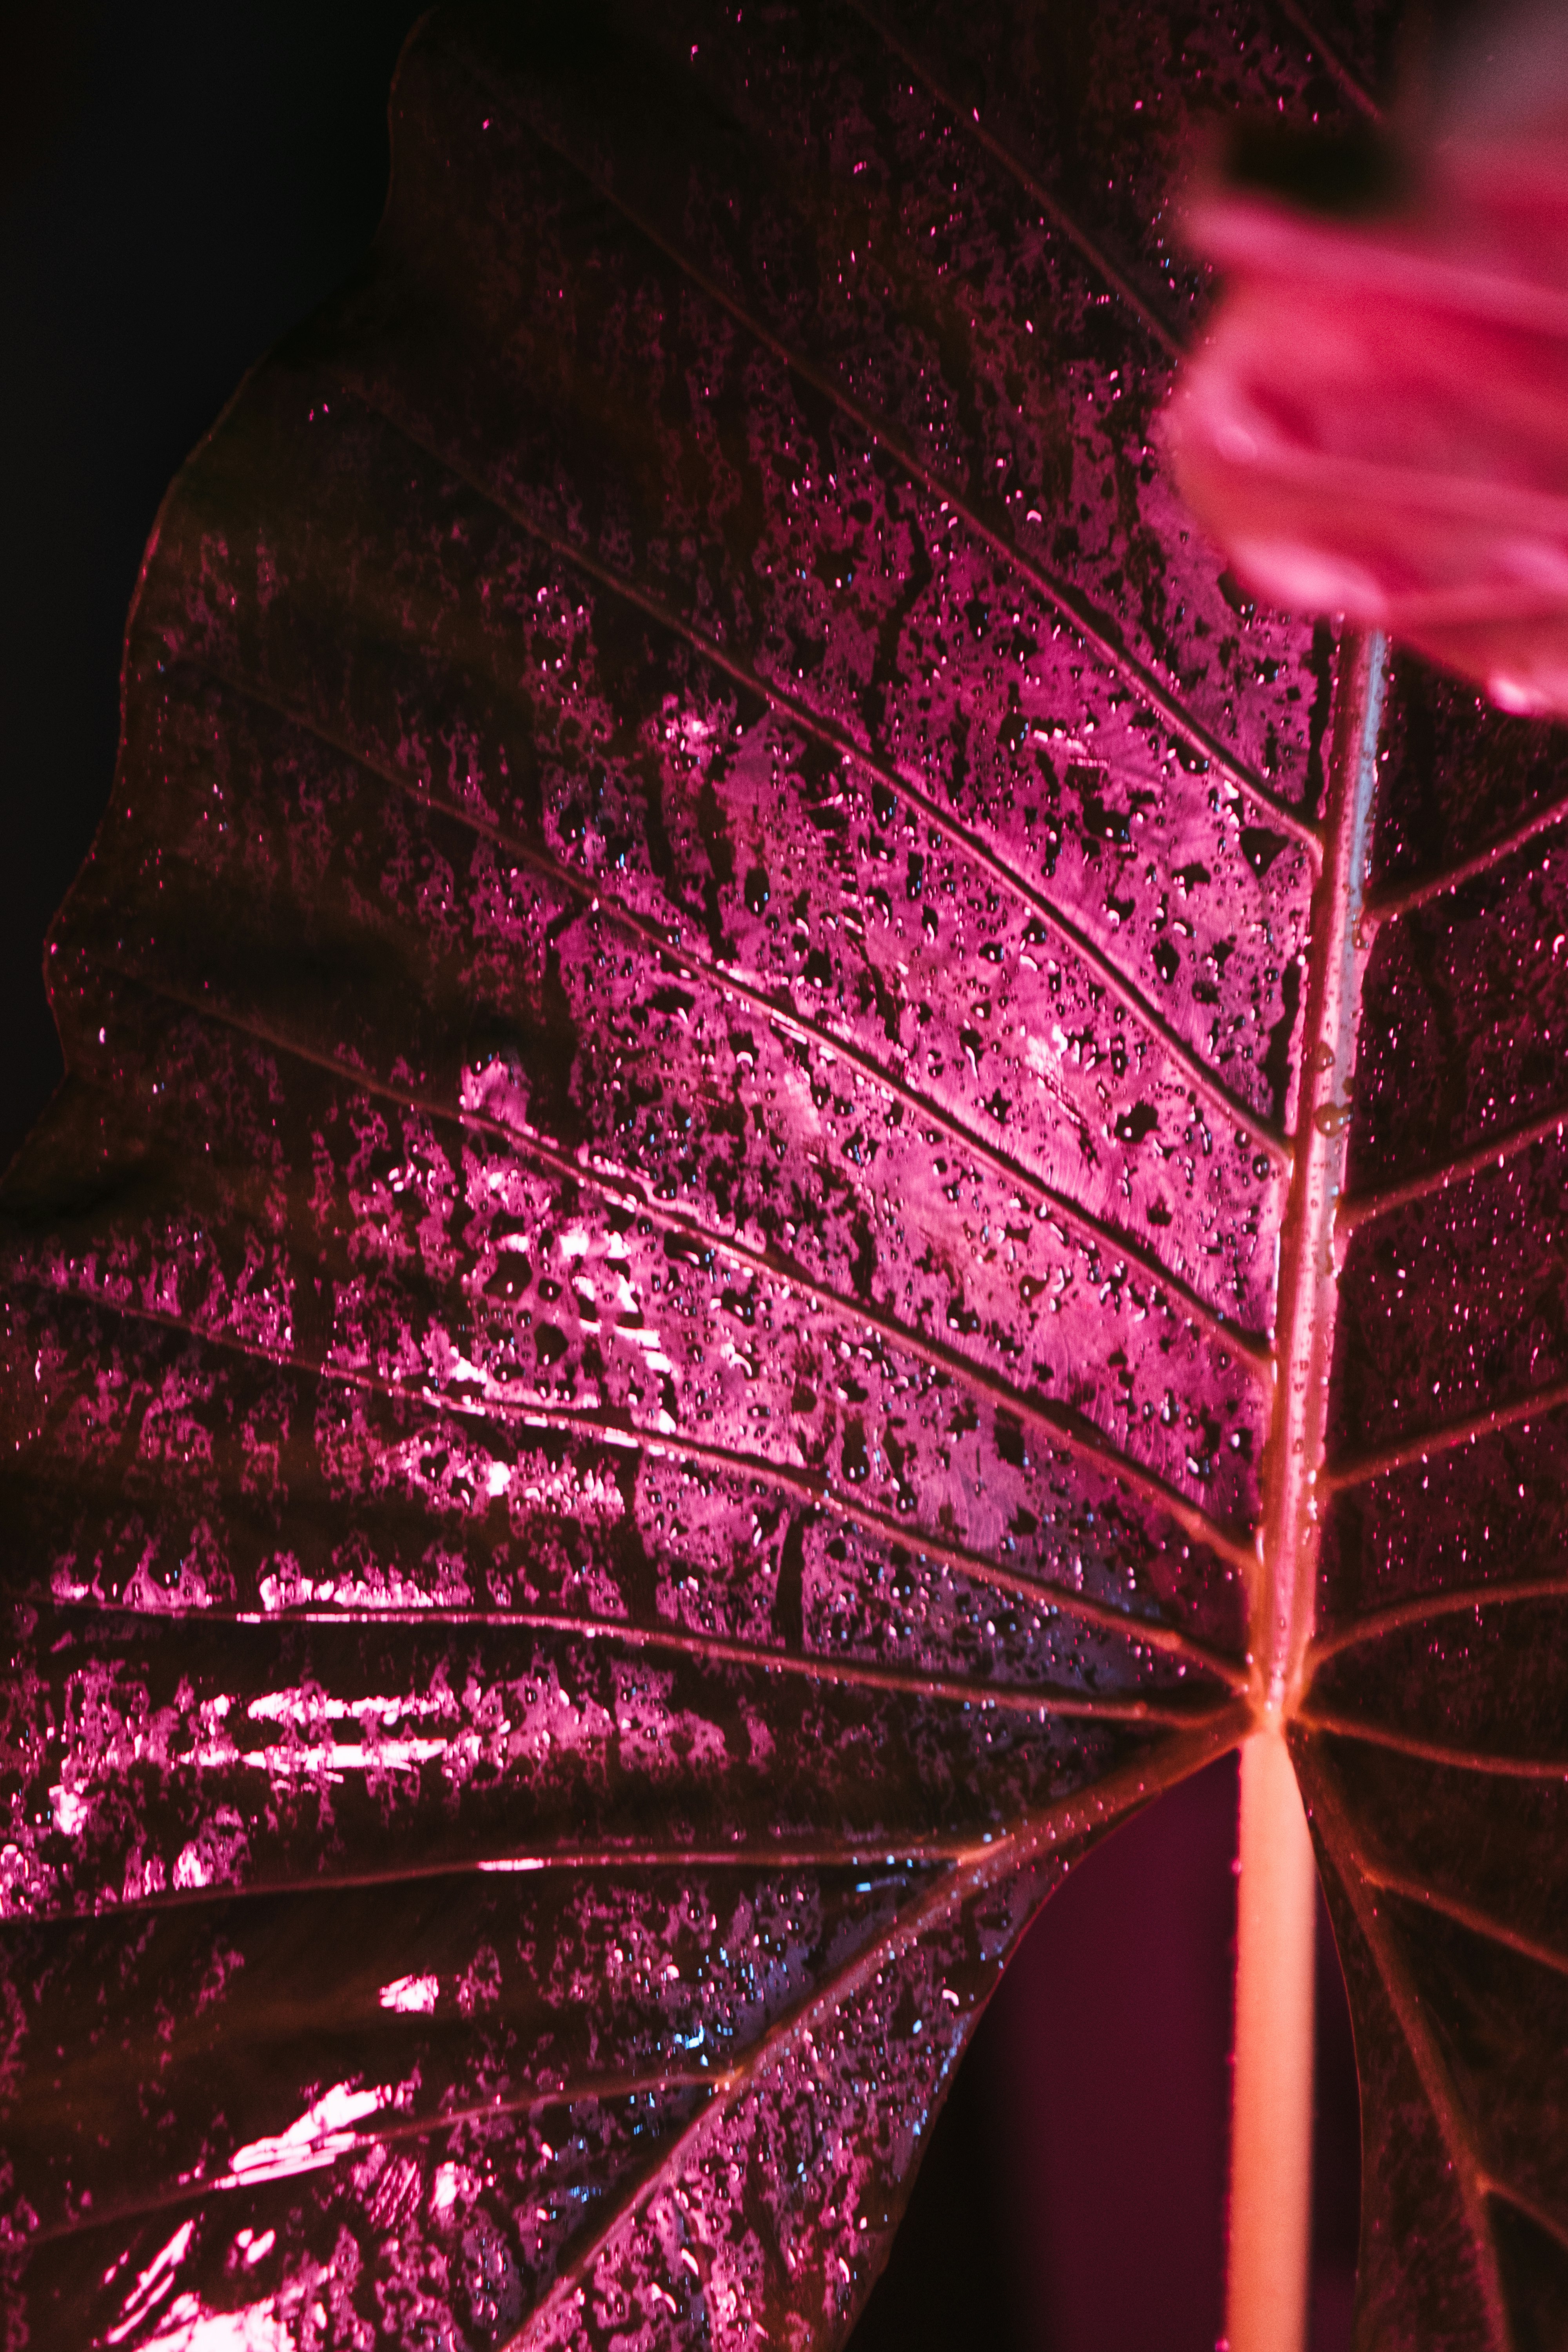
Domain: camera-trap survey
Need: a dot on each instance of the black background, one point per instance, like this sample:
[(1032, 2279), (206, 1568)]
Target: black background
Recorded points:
[(178, 185)]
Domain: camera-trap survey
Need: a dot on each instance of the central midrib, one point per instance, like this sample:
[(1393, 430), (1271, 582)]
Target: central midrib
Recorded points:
[(1290, 1531)]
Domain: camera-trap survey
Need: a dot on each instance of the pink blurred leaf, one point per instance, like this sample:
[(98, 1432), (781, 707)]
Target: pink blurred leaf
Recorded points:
[(1376, 423)]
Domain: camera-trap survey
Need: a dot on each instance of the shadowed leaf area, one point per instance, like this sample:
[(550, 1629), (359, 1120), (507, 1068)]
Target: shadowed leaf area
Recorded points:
[(638, 1354)]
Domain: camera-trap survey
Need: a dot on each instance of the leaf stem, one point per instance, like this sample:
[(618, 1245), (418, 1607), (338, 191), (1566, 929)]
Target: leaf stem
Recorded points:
[(1308, 1266), (1271, 2126), (1271, 2116)]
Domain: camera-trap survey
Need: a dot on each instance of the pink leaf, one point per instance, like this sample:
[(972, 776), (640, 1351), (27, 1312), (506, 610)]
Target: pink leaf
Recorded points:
[(1377, 421), (751, 1222)]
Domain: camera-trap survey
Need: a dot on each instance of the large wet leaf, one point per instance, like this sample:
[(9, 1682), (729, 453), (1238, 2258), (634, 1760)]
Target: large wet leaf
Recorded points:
[(668, 1340)]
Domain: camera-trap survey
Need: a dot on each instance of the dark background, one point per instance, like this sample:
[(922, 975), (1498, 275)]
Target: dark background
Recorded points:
[(180, 184)]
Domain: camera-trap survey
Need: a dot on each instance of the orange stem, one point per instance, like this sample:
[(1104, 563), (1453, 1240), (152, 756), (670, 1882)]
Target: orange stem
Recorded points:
[(1271, 2129)]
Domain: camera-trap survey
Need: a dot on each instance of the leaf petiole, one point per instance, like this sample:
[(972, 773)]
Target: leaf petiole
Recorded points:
[(1271, 2126)]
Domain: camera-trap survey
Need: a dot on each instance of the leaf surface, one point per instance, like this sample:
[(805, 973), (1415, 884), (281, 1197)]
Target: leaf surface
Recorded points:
[(641, 1359)]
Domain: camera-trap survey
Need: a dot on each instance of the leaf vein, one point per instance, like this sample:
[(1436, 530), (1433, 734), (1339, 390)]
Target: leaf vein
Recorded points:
[(1348, 81), (1359, 1469), (1059, 1424), (1268, 1137), (969, 120), (1431, 1751), (1053, 1826), (1075, 608), (350, 2144), (1433, 2075), (1359, 1209), (1033, 1700), (1452, 1601), (1403, 897), (1098, 1232), (1464, 1915)]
